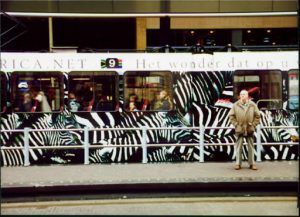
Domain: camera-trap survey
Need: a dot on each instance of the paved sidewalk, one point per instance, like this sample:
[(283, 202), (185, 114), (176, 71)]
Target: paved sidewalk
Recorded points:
[(186, 206), (160, 173)]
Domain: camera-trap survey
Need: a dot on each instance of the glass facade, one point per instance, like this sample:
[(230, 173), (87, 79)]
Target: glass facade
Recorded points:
[(102, 34), (223, 37)]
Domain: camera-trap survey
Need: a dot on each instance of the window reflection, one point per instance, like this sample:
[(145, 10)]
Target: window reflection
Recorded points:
[(264, 87), (293, 91), (92, 91), (148, 91), (3, 95), (37, 91)]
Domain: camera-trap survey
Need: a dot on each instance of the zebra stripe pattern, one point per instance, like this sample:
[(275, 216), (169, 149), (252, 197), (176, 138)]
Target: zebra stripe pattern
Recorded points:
[(63, 120), (195, 99), (123, 137), (202, 112)]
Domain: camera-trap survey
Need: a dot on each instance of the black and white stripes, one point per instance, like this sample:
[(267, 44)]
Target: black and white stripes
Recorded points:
[(195, 98), (40, 138), (133, 137)]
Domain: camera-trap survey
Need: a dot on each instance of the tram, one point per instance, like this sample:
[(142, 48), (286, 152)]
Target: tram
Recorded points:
[(44, 91)]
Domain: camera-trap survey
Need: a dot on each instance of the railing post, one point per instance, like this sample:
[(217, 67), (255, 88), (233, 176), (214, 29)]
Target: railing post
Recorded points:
[(258, 143), (26, 147), (201, 143), (86, 145), (144, 144)]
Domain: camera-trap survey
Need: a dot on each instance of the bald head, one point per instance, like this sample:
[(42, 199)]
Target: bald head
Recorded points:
[(244, 96)]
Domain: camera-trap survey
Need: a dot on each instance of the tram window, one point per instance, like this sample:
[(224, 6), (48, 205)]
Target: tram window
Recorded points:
[(264, 87), (148, 90), (3, 95), (37, 91), (293, 89), (92, 91), (249, 83)]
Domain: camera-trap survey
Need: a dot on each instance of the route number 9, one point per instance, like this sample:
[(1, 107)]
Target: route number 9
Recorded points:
[(112, 63)]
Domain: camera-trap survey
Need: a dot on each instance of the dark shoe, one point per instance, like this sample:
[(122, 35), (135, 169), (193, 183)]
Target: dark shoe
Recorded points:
[(237, 167), (253, 167)]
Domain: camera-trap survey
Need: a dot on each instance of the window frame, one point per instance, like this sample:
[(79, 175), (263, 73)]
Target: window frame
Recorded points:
[(115, 97), (39, 74), (288, 89), (147, 101), (272, 103), (4, 92)]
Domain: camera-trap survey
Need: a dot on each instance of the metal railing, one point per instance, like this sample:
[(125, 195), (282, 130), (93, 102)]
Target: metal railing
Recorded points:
[(86, 144)]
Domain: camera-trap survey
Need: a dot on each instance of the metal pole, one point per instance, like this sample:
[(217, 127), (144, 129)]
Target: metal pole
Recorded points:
[(201, 143), (258, 143), (50, 29), (123, 15), (26, 147), (86, 145), (144, 144)]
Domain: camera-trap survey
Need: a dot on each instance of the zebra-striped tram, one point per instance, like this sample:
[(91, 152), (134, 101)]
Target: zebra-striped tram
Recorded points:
[(45, 91)]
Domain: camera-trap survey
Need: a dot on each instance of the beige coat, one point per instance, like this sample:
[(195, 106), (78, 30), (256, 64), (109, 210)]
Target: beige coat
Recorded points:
[(244, 119)]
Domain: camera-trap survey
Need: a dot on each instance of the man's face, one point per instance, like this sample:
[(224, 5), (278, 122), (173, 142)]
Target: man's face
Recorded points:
[(244, 96), (27, 98), (162, 94)]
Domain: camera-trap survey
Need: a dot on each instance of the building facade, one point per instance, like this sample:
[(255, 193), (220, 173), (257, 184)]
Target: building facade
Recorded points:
[(138, 25)]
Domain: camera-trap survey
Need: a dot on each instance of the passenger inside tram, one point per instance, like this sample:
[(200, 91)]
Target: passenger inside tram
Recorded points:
[(132, 107), (162, 101), (84, 95), (133, 103), (27, 102), (72, 103), (42, 100), (103, 104)]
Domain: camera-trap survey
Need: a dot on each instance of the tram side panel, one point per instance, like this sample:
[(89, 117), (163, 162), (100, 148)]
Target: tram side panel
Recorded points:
[(197, 99)]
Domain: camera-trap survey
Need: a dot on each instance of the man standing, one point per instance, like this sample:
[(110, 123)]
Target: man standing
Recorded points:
[(245, 116)]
